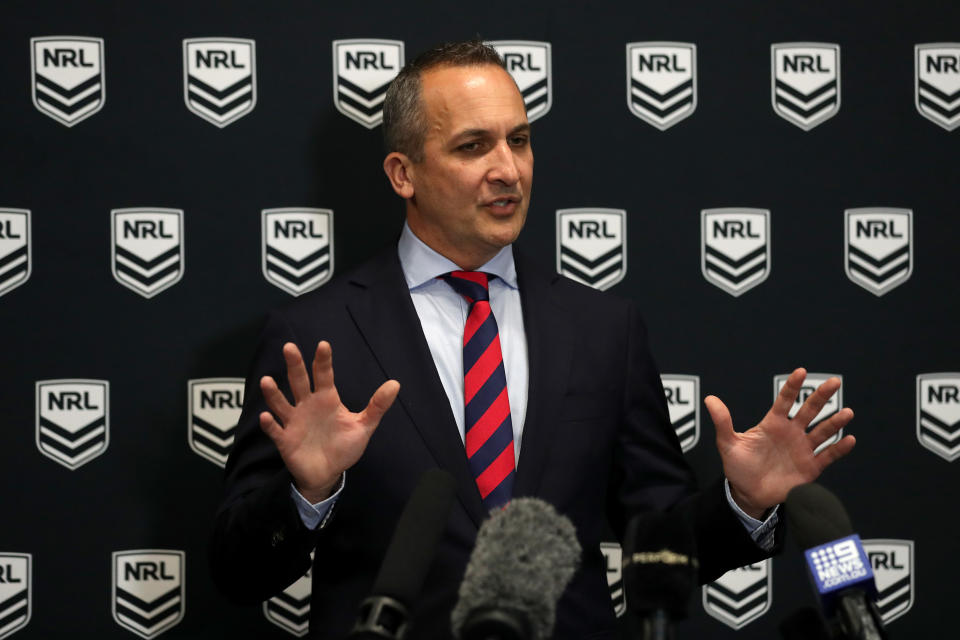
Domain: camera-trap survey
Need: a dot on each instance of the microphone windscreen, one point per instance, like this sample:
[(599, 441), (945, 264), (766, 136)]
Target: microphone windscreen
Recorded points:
[(415, 539), (525, 555), (816, 516), (659, 564)]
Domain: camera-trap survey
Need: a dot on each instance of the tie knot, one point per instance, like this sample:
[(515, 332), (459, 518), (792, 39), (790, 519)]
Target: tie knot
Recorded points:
[(472, 285)]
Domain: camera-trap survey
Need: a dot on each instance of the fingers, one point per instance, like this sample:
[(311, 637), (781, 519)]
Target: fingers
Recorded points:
[(835, 451), (813, 404), (380, 401), (788, 393), (721, 419), (323, 365), (275, 400), (271, 427), (828, 428), (296, 372)]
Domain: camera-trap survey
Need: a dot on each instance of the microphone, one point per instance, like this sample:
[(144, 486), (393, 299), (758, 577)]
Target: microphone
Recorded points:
[(385, 614), (659, 572), (525, 555), (837, 564)]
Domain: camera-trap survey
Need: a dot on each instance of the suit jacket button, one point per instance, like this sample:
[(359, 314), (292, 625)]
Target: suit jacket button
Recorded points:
[(276, 538)]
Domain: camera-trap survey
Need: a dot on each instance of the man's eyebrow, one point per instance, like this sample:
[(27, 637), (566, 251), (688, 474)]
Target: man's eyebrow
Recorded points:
[(479, 133)]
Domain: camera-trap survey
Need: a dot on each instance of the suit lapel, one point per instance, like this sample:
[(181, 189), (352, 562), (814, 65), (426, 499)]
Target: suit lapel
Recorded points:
[(397, 342)]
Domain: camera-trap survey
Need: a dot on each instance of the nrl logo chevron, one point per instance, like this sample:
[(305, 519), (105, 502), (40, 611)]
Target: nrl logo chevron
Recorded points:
[(683, 393), (297, 248), (219, 78), (878, 243), (893, 571), (16, 592), (73, 420), (15, 253), (529, 64), (362, 73), (735, 248), (613, 556), (805, 82), (67, 77), (592, 246), (290, 610), (214, 407), (147, 248), (662, 82), (740, 596), (937, 83), (810, 384), (938, 413), (148, 590)]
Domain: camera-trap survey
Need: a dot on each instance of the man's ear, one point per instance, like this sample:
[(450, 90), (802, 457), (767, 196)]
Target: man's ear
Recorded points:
[(399, 170)]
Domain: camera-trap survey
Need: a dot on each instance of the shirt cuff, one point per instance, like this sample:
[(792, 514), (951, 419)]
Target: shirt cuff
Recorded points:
[(762, 532), (315, 516)]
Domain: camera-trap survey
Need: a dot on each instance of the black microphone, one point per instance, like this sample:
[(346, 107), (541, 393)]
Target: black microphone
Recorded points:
[(386, 613), (837, 564), (659, 572), (525, 555)]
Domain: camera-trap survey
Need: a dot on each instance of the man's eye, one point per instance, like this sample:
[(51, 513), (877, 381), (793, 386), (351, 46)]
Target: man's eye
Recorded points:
[(519, 141), (469, 146)]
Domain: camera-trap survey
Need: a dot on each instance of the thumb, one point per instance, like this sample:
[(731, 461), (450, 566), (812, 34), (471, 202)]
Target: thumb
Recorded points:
[(721, 420)]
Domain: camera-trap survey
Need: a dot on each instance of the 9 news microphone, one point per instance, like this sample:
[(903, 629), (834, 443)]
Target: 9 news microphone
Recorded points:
[(659, 572), (385, 614), (525, 555), (837, 564)]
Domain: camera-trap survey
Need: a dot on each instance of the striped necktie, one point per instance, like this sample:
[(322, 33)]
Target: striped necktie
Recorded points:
[(489, 429)]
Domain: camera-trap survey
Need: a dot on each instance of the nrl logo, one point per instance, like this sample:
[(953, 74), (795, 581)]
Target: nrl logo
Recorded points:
[(15, 254), (214, 407), (16, 589), (805, 82), (219, 78), (834, 404), (662, 81), (613, 556), (683, 393), (892, 562), (147, 248), (878, 242), (938, 413), (297, 248), (291, 609), (148, 590), (735, 248), (67, 77), (529, 64), (740, 596), (73, 420), (362, 72), (592, 246), (938, 83)]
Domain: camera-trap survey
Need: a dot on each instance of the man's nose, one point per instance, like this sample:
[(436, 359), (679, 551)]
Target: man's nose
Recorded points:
[(503, 165)]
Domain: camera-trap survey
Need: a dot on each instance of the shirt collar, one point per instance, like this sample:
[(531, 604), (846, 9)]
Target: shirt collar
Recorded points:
[(421, 264)]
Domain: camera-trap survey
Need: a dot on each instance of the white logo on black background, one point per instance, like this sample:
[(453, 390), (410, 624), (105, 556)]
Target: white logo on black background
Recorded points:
[(735, 248), (529, 64), (613, 556), (938, 83), (938, 413), (147, 248), (805, 82), (73, 420), (362, 72), (662, 81), (290, 610), (68, 81), (148, 590), (892, 562), (214, 407), (740, 596), (683, 393), (16, 589), (220, 78), (810, 384), (297, 248), (878, 242), (15, 251), (592, 245)]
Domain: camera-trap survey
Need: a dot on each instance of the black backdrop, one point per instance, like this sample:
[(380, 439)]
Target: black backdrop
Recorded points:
[(148, 489)]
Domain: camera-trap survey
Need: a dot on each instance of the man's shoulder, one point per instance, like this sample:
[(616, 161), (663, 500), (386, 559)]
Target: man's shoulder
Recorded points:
[(565, 291)]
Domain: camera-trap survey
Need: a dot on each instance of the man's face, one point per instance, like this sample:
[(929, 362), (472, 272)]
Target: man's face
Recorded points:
[(472, 188)]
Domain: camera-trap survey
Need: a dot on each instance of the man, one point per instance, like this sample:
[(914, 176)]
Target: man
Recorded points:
[(563, 369)]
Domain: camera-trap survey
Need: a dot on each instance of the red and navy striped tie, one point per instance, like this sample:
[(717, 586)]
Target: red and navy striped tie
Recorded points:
[(489, 430)]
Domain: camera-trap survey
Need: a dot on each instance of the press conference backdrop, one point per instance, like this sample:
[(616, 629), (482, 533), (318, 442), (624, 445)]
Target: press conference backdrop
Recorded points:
[(775, 184)]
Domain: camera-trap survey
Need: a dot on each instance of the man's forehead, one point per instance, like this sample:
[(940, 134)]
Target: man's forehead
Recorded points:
[(456, 96)]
